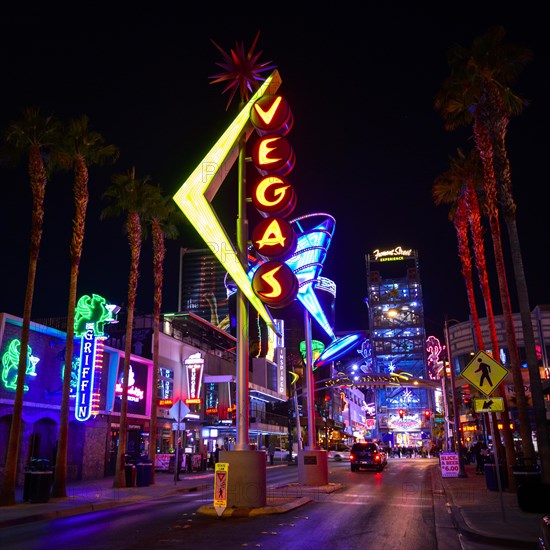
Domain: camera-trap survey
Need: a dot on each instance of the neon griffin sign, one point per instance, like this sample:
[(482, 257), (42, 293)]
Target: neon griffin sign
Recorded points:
[(396, 253), (91, 314)]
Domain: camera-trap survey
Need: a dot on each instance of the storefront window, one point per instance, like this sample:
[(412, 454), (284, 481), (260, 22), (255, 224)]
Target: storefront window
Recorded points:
[(165, 389)]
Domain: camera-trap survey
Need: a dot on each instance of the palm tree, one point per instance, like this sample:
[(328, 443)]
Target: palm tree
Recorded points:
[(32, 136), (461, 101), (161, 214), (456, 187), (79, 149), (128, 195), (448, 188), (501, 103)]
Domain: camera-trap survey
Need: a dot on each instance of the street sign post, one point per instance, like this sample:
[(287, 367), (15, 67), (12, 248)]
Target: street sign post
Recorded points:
[(220, 487), (484, 373), (178, 412)]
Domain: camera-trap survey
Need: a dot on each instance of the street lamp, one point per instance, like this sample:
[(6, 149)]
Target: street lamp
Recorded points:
[(456, 435)]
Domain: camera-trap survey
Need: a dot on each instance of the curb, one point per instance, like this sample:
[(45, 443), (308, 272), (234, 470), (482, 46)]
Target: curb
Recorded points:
[(88, 508), (474, 536), (208, 510)]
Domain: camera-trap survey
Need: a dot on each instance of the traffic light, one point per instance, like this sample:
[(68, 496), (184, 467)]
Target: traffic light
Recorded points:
[(427, 414), (401, 413)]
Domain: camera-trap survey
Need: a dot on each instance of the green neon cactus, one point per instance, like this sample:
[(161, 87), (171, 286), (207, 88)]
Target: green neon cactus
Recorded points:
[(10, 365), (92, 310)]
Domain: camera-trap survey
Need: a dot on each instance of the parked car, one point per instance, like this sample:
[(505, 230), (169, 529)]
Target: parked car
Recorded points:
[(281, 455), (367, 456), (338, 453)]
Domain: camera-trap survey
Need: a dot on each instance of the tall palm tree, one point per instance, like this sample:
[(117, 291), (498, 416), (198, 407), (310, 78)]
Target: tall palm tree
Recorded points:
[(462, 100), (79, 149), (128, 196), (500, 104), (32, 136), (448, 188), (455, 187), (162, 215)]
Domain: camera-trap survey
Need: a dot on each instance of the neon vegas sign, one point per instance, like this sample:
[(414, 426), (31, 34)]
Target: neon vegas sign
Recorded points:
[(392, 255), (195, 195)]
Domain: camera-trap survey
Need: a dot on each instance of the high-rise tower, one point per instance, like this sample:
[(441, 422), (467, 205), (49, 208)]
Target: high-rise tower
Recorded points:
[(398, 341)]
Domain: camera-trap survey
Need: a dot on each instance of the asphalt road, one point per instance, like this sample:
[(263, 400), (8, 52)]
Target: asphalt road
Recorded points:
[(392, 509)]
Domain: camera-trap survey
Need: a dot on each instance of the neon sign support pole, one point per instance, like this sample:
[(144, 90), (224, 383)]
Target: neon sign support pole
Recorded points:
[(242, 308), (456, 419), (311, 439), (298, 425), (445, 407)]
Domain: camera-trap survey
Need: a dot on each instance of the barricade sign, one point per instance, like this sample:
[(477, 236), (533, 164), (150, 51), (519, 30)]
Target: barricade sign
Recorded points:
[(220, 487), (449, 464)]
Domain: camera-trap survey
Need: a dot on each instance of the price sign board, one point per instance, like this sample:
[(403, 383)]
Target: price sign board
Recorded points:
[(449, 464), (220, 487)]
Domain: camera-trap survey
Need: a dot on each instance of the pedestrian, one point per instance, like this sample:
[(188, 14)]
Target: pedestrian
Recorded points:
[(480, 459), (217, 454), (179, 452), (271, 453)]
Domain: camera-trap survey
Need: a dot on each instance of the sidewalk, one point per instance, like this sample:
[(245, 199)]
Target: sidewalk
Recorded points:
[(486, 518), (99, 494), (481, 518)]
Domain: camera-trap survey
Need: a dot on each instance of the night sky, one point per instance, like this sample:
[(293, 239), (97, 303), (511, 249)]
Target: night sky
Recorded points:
[(367, 139)]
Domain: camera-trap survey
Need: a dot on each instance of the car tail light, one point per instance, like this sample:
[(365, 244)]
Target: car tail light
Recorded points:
[(351, 457), (377, 458)]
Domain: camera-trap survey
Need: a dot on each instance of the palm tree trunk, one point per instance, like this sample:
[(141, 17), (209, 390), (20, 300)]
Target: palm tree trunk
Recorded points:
[(486, 153), (134, 239), (81, 196), (37, 173), (509, 210), (474, 218), (159, 252)]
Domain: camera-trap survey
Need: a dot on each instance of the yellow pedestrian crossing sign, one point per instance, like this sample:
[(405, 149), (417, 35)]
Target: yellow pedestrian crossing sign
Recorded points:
[(484, 372), (490, 404), (220, 487)]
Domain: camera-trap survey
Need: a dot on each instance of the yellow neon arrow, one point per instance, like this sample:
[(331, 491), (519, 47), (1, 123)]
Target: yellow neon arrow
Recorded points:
[(194, 196)]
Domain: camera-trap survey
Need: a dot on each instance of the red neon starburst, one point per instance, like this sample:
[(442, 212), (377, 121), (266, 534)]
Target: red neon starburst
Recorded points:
[(242, 71)]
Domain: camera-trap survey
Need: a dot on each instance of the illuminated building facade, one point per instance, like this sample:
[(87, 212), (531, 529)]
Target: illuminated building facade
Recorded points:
[(93, 440), (203, 286), (398, 341)]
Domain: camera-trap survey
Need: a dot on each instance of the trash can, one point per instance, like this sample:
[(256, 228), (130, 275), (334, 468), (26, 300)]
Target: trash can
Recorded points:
[(529, 488), (143, 473), (37, 486), (130, 473), (491, 477)]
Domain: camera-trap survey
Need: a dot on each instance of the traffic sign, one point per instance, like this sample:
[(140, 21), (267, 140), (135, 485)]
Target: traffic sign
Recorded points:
[(220, 487), (491, 404), (179, 410), (178, 426), (484, 372)]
